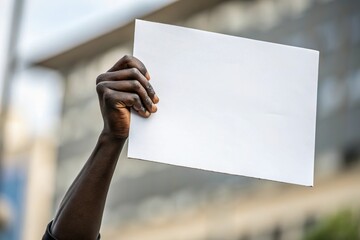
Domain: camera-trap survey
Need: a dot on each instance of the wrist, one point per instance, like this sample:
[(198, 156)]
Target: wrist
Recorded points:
[(107, 137)]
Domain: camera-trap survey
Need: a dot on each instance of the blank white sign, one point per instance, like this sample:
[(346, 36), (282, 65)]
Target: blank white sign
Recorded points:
[(227, 104)]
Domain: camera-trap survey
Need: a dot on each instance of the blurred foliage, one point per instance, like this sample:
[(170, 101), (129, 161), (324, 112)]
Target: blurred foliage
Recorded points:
[(345, 225)]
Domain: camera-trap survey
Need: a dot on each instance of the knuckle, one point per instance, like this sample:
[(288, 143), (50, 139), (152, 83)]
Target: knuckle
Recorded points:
[(135, 85), (143, 68), (150, 89), (127, 58), (100, 87), (136, 98), (134, 72), (148, 101), (100, 78)]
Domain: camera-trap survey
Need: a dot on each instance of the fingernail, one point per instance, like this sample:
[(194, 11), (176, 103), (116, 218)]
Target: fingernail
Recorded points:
[(147, 75), (156, 98)]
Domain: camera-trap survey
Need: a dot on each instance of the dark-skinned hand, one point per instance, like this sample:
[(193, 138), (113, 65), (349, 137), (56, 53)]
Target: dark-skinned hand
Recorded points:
[(125, 86)]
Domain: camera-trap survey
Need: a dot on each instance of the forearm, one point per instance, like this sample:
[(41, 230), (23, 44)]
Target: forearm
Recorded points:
[(125, 86), (80, 214)]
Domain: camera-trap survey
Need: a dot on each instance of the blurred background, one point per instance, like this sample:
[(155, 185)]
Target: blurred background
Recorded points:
[(51, 53)]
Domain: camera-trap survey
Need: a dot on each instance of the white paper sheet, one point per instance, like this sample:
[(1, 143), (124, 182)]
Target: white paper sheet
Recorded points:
[(227, 104)]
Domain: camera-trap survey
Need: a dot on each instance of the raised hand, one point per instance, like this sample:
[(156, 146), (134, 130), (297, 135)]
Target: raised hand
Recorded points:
[(125, 86)]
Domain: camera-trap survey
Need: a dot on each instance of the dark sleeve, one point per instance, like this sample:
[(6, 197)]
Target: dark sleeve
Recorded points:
[(49, 236)]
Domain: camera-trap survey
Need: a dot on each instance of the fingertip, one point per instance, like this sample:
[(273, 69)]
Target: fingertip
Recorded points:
[(147, 114), (156, 99), (147, 75), (154, 109)]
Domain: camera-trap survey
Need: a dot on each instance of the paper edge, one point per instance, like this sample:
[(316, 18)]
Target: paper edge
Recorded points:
[(227, 35)]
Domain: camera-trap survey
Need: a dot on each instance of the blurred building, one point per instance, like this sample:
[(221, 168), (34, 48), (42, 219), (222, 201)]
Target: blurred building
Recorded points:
[(13, 176), (155, 201)]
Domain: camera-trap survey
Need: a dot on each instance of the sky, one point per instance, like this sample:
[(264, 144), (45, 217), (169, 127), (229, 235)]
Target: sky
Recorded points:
[(45, 26)]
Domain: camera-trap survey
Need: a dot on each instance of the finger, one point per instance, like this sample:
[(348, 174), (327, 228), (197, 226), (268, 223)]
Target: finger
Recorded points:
[(130, 62), (131, 86), (133, 100), (129, 74), (129, 100)]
